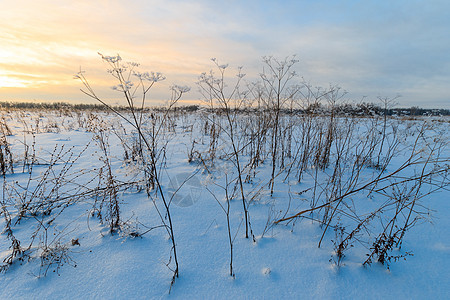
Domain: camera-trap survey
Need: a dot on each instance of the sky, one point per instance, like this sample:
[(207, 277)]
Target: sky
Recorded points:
[(369, 48)]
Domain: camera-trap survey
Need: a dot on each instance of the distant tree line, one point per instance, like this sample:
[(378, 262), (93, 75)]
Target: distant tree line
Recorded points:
[(360, 109), (371, 109), (49, 105)]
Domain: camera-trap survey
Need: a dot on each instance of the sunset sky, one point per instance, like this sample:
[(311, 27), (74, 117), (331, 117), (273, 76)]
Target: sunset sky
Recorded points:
[(369, 48)]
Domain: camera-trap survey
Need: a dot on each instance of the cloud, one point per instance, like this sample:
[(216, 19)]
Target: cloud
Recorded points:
[(369, 48)]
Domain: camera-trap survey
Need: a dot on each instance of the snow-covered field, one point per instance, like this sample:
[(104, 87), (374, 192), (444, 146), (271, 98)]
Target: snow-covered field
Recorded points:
[(77, 175)]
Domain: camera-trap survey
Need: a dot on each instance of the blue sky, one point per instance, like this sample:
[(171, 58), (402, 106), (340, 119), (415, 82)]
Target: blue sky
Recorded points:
[(369, 48)]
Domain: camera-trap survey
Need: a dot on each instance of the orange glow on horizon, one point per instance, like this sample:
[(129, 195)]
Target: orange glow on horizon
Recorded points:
[(11, 82), (44, 43)]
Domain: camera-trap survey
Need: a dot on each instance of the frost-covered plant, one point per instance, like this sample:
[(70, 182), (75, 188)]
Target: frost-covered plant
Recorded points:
[(387, 104), (53, 252), (107, 204), (54, 258), (228, 100), (229, 195), (6, 157), (276, 82), (134, 87), (399, 192), (16, 251)]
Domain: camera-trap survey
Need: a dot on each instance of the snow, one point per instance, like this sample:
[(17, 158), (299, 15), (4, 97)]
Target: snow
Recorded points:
[(284, 263)]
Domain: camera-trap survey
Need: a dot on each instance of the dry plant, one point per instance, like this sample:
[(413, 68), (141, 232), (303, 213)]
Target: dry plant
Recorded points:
[(387, 103), (214, 89), (41, 199), (423, 171), (106, 200), (54, 253), (277, 92), (134, 87), (16, 251), (6, 157), (229, 195)]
